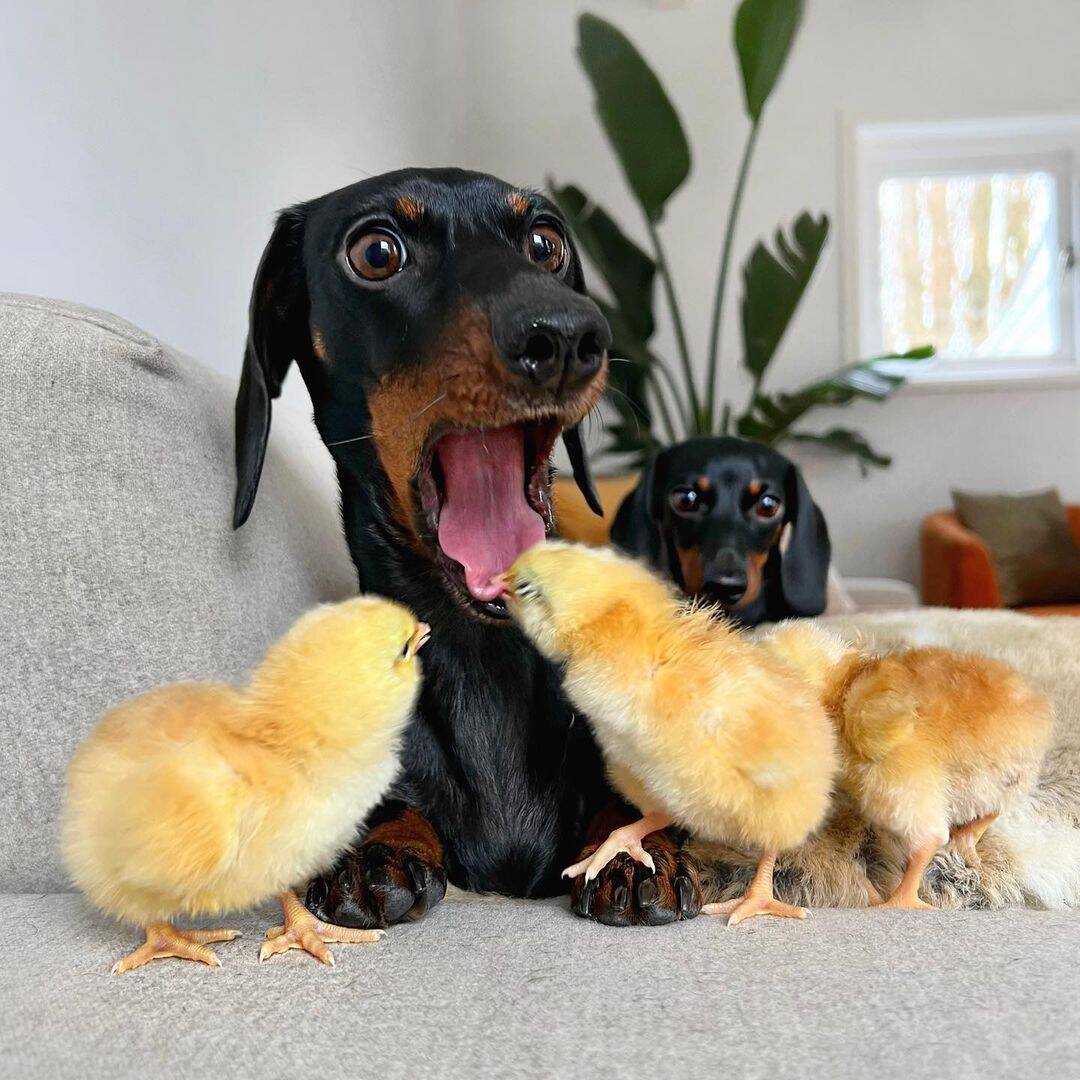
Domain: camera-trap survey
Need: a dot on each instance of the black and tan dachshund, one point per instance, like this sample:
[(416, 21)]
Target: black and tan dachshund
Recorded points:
[(710, 514), (440, 323)]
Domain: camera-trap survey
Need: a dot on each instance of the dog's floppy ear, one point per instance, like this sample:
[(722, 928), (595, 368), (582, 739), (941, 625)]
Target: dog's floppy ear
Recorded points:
[(278, 318), (804, 565), (636, 528)]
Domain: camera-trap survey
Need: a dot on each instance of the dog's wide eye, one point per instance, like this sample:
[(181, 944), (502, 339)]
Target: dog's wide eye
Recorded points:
[(376, 255), (546, 247), (684, 501), (767, 507)]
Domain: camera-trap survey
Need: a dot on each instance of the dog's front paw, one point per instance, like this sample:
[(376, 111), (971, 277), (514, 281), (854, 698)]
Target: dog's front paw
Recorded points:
[(627, 893), (376, 885)]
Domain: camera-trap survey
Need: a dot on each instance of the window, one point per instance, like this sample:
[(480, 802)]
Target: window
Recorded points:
[(960, 235)]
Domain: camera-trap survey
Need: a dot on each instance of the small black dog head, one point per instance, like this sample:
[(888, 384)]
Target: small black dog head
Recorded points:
[(710, 513), (419, 304)]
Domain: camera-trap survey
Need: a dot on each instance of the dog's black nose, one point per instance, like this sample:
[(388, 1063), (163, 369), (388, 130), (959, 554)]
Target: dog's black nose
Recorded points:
[(728, 588), (726, 578), (558, 350)]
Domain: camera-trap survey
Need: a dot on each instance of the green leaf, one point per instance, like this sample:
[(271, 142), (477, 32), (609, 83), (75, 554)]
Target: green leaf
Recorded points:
[(846, 441), (770, 416), (637, 115), (628, 271), (764, 33), (773, 286)]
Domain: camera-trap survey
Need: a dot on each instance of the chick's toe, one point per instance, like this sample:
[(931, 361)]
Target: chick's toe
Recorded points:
[(747, 906), (628, 838), (302, 930), (163, 940), (758, 898)]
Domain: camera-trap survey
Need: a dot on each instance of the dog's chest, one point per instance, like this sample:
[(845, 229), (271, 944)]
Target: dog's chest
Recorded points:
[(496, 760)]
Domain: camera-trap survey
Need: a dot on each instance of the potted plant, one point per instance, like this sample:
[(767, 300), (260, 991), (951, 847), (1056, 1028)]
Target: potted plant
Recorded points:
[(656, 402)]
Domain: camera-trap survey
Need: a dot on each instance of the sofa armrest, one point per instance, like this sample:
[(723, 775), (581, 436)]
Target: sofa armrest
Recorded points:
[(956, 567), (881, 594)]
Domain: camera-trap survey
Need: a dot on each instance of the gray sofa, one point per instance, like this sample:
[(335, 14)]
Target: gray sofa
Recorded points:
[(118, 571)]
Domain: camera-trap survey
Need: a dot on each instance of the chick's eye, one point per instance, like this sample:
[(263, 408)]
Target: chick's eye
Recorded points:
[(546, 247), (525, 589), (768, 506), (376, 255), (684, 501), (404, 654)]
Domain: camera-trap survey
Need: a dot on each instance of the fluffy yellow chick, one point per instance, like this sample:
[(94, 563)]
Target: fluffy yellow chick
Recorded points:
[(934, 743), (697, 724), (198, 798)]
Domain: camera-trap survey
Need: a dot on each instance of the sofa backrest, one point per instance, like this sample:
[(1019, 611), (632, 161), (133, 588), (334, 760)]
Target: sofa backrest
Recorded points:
[(119, 569)]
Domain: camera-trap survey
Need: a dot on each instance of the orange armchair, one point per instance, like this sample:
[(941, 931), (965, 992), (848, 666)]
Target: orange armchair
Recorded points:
[(957, 570)]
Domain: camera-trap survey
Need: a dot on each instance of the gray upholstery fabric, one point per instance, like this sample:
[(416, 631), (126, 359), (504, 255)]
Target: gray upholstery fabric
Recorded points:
[(523, 989), (119, 569)]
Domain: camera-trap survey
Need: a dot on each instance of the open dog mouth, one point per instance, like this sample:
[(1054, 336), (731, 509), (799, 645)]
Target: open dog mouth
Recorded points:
[(483, 497)]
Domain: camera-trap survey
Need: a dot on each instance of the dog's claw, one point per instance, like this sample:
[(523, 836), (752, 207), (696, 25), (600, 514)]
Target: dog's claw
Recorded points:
[(376, 885), (626, 893)]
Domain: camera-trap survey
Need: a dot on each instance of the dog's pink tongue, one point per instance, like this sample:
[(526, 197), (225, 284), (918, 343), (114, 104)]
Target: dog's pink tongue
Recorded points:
[(485, 521)]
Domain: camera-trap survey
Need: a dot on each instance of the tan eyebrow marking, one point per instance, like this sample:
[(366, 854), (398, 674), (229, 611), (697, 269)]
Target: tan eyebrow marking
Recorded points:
[(410, 208), (704, 483), (519, 202), (755, 488)]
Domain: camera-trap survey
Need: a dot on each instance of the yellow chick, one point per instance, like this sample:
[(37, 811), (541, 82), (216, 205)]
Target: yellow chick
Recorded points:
[(197, 798), (698, 725), (934, 743)]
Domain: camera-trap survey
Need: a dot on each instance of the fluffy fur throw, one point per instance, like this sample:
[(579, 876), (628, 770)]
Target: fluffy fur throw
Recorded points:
[(1029, 856)]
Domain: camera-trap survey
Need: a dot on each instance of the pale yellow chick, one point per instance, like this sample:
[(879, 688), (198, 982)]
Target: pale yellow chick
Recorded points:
[(934, 743), (697, 724), (197, 798)]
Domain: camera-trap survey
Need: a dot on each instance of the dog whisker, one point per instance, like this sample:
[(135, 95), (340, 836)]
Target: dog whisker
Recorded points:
[(433, 401), (633, 405), (357, 438), (361, 438)]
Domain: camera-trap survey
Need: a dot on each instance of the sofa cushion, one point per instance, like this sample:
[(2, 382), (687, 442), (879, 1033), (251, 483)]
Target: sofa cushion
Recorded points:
[(1035, 554), (119, 569), (496, 988)]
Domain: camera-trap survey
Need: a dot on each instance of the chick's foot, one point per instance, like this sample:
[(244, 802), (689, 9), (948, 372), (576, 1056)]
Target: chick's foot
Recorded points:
[(906, 894), (965, 838), (303, 931), (758, 898), (628, 838), (163, 940), (627, 893)]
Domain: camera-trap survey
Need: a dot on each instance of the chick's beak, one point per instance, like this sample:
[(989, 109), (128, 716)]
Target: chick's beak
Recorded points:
[(505, 587), (420, 637)]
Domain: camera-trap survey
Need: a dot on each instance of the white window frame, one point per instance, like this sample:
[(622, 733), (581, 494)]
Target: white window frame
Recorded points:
[(873, 152)]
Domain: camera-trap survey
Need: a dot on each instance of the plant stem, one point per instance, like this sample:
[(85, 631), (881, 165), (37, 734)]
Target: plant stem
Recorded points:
[(680, 332), (654, 371), (725, 262), (665, 413)]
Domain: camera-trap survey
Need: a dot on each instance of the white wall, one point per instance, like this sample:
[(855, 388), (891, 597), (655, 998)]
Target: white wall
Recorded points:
[(146, 150), (147, 146), (529, 112)]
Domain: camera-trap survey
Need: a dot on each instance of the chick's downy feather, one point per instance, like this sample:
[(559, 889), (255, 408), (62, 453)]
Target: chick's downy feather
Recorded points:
[(930, 738), (693, 718), (199, 798)]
